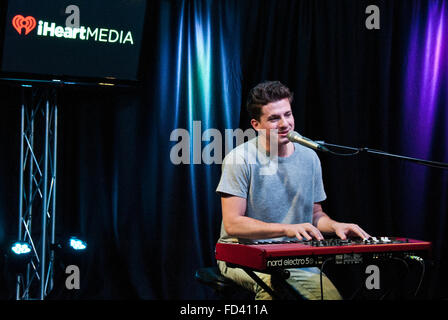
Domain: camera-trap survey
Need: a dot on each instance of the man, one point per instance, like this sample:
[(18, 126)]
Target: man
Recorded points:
[(282, 203)]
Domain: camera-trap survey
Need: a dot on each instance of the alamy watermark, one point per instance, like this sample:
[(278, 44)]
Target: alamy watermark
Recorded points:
[(74, 277), (373, 20), (73, 20), (207, 147), (373, 280)]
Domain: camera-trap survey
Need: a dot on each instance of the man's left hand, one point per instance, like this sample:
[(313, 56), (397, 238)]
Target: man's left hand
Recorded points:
[(344, 230)]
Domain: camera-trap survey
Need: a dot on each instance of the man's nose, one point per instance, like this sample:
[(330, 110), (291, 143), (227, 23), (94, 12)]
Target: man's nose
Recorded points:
[(282, 122)]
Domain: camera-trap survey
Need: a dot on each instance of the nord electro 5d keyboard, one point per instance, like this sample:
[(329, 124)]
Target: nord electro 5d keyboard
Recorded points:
[(263, 255)]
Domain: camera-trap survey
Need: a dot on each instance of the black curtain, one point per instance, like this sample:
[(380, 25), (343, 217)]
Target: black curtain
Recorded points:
[(150, 223)]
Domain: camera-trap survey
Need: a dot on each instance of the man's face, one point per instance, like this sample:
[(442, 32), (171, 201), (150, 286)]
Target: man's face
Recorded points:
[(276, 115)]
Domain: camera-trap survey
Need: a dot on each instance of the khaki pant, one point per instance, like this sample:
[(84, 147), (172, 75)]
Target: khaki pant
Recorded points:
[(306, 281)]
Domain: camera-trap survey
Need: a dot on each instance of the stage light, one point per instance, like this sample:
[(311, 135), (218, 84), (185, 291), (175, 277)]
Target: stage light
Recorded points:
[(21, 248), (19, 256), (77, 244), (72, 251), (71, 245)]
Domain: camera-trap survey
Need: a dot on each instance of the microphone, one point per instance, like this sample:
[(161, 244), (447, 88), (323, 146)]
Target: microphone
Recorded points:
[(296, 137)]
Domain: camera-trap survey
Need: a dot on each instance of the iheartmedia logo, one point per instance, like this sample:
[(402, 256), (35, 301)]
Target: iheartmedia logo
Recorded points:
[(20, 22), (50, 29)]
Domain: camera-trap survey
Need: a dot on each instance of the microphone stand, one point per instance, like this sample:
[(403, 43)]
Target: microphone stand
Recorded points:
[(428, 163)]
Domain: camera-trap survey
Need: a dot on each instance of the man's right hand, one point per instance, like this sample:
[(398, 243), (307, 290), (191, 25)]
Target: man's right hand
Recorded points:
[(303, 230)]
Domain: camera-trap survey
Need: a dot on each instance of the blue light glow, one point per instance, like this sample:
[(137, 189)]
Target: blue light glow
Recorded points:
[(21, 248), (77, 244)]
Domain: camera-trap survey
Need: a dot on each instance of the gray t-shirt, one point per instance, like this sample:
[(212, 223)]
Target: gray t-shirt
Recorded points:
[(277, 189)]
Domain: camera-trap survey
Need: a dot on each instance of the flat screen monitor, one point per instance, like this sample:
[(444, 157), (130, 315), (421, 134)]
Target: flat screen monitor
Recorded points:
[(72, 41)]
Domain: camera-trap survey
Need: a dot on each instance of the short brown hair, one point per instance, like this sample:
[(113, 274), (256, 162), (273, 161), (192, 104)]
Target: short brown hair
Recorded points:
[(265, 93)]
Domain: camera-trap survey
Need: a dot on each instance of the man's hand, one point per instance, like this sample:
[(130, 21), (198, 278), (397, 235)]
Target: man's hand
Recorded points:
[(344, 230), (306, 230)]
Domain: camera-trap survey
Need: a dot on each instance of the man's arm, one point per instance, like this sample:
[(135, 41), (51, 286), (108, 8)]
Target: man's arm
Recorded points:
[(237, 224), (327, 225)]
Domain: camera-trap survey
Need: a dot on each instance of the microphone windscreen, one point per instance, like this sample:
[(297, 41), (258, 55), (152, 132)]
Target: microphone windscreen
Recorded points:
[(293, 134)]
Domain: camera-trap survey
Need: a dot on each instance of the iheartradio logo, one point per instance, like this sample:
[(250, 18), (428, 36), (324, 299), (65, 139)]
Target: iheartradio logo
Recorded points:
[(19, 22)]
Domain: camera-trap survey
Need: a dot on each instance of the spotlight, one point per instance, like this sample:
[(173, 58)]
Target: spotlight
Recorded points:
[(77, 244), (69, 250), (19, 256), (21, 248), (70, 247)]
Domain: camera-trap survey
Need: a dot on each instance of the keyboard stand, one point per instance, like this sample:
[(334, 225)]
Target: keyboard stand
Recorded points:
[(280, 275), (261, 283)]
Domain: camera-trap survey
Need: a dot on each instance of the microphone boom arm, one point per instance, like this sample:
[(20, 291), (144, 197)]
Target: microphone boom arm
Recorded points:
[(428, 163)]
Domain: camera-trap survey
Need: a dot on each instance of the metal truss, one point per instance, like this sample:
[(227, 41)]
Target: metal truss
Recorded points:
[(37, 202)]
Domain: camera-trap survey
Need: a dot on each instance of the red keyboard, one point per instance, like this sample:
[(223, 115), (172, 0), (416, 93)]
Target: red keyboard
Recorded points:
[(264, 255)]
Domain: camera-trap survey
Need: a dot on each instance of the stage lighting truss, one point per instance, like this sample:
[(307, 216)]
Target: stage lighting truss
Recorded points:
[(37, 184)]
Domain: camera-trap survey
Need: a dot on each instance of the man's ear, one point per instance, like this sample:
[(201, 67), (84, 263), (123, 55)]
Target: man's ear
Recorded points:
[(255, 124)]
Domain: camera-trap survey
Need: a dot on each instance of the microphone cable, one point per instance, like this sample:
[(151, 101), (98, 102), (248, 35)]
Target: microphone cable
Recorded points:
[(356, 150), (422, 274), (397, 282)]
